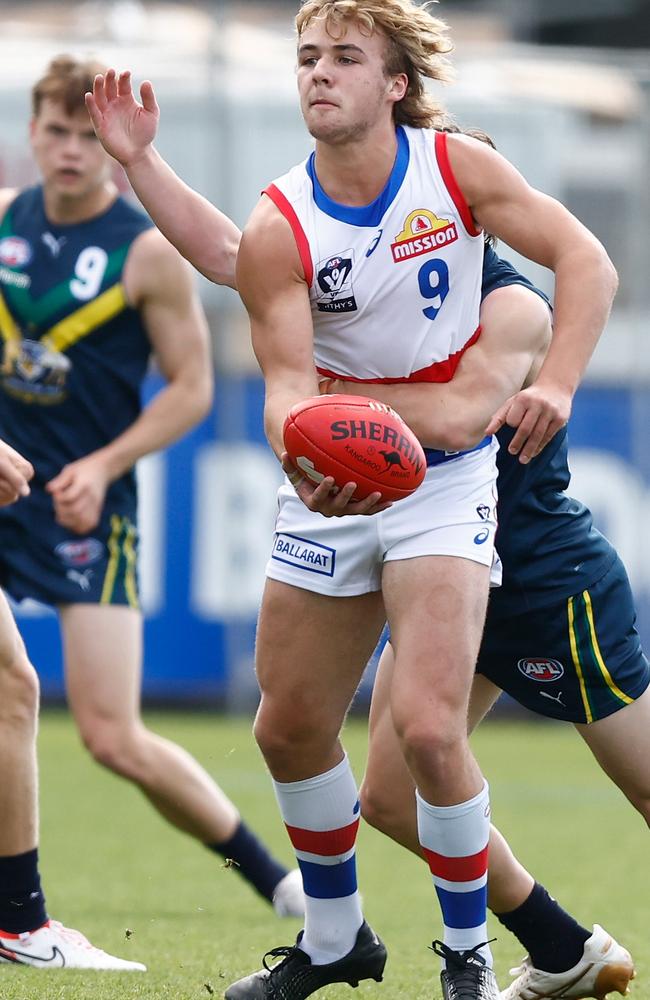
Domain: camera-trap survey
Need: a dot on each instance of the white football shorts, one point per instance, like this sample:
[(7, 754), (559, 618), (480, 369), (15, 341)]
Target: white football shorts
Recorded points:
[(452, 513)]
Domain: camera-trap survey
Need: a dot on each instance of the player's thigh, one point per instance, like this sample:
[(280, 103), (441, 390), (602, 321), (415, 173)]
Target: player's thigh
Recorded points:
[(387, 783), (621, 745), (312, 649), (102, 647), (436, 608)]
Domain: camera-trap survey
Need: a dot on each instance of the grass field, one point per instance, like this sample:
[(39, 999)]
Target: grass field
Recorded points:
[(138, 888)]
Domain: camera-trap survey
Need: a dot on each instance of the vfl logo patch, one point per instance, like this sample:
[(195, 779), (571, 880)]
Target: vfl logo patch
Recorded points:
[(334, 284), (540, 669), (423, 232), (15, 251), (83, 552), (33, 373), (304, 554), (483, 511)]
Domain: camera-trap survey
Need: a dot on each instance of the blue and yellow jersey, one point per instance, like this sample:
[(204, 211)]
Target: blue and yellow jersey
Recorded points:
[(548, 545), (74, 352)]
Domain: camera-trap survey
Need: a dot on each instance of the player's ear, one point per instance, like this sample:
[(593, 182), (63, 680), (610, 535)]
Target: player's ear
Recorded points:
[(397, 86)]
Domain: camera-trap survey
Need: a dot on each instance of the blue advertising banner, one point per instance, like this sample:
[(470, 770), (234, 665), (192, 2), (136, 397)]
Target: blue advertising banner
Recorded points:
[(207, 507)]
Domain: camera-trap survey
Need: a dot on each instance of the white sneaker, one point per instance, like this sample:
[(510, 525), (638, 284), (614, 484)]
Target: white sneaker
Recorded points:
[(54, 946), (289, 898), (605, 966)]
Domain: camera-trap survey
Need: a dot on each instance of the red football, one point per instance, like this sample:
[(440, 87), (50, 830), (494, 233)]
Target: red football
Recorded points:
[(355, 439)]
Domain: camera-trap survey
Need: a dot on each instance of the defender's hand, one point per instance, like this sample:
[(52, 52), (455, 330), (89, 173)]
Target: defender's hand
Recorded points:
[(538, 413)]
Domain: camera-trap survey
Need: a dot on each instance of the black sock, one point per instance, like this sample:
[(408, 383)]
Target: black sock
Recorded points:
[(22, 903), (252, 860), (550, 935)]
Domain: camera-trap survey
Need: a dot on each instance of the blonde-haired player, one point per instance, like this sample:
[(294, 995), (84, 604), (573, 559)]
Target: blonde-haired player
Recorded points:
[(365, 263)]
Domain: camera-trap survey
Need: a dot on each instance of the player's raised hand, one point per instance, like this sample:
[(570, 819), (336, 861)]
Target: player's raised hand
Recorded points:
[(537, 413), (124, 127), (15, 473)]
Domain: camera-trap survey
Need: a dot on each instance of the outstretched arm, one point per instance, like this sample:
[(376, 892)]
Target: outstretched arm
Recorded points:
[(199, 231), (585, 283)]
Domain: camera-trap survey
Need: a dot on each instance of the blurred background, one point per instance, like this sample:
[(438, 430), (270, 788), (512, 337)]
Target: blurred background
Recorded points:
[(564, 90)]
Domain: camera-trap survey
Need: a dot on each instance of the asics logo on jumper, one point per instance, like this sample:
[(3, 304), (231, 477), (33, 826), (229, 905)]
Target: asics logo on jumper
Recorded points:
[(375, 243), (16, 956)]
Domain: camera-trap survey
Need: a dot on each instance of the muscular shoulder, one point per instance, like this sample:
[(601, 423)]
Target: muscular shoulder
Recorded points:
[(7, 195), (154, 268), (479, 170)]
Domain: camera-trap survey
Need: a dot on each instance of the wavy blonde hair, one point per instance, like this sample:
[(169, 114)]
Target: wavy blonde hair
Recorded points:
[(417, 45)]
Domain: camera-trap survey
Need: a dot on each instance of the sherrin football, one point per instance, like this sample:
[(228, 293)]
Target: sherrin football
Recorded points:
[(355, 439)]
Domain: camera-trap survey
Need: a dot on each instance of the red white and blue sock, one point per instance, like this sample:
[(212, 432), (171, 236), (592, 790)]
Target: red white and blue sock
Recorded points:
[(454, 841), (321, 815)]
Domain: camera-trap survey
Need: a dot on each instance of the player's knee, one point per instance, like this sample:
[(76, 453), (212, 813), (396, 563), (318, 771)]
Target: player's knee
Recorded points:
[(19, 687), (285, 736), (110, 745), (432, 743)]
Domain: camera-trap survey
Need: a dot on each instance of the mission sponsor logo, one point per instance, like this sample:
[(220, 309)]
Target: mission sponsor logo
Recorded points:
[(15, 251), (423, 232), (541, 669), (304, 554)]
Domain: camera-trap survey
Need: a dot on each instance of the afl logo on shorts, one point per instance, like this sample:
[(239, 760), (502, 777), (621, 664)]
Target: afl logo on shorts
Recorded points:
[(15, 251), (538, 668), (80, 553)]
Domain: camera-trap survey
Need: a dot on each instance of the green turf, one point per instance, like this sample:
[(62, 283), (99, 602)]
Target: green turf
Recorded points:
[(113, 869)]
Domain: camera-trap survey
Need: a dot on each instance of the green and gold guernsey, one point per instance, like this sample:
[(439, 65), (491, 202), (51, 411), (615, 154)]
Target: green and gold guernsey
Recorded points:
[(74, 352)]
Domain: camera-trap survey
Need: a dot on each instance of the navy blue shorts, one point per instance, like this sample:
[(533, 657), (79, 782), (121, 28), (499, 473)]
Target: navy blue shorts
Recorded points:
[(41, 560), (578, 660)]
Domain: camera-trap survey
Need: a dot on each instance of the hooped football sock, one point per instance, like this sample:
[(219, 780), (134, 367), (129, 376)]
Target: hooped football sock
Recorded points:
[(550, 935), (321, 815), (454, 841), (22, 903), (252, 860)]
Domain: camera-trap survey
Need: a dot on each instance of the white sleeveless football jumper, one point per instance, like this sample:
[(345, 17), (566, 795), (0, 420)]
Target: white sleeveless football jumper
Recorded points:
[(395, 291)]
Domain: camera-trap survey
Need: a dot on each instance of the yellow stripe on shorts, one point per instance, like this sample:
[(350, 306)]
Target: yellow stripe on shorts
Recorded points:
[(575, 656), (113, 562), (613, 687)]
